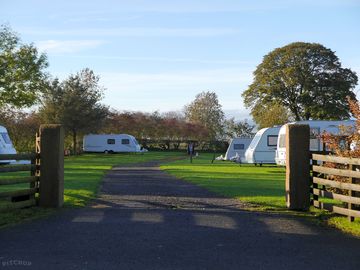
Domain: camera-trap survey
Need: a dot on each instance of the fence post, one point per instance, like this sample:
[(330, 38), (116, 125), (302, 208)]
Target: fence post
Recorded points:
[(51, 193), (351, 193), (297, 167)]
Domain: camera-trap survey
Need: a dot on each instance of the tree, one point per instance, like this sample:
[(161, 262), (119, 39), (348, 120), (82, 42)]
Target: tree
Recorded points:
[(160, 129), (305, 78), (22, 127), (206, 110), (75, 103), (271, 114), (178, 115), (22, 73), (238, 129)]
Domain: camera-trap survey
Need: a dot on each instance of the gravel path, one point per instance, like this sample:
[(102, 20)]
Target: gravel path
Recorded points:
[(146, 219)]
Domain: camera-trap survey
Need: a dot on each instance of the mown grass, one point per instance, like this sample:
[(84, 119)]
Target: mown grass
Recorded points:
[(82, 178), (262, 187)]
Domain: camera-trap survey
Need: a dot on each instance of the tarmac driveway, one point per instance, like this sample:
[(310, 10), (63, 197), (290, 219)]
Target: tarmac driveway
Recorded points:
[(146, 219)]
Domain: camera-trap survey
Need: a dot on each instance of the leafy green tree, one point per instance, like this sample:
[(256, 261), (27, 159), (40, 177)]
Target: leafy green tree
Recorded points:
[(305, 78), (206, 110), (22, 73), (75, 103), (271, 114), (238, 129)]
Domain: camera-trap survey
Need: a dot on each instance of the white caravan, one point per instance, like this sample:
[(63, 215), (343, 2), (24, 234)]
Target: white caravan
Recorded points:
[(316, 128), (110, 143), (237, 148), (6, 146), (263, 146)]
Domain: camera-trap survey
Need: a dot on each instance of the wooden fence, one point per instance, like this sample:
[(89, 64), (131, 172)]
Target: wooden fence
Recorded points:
[(45, 177), (346, 191), (18, 196)]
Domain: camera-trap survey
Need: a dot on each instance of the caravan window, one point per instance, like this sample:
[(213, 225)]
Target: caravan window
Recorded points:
[(239, 146), (272, 140), (125, 141), (6, 138), (282, 141), (111, 141)]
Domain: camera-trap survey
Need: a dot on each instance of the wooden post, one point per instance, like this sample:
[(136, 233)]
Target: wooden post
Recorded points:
[(351, 193), (314, 185), (51, 193), (297, 167), (33, 173)]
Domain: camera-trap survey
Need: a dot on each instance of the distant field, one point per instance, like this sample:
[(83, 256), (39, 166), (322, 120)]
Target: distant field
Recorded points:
[(262, 186), (83, 175)]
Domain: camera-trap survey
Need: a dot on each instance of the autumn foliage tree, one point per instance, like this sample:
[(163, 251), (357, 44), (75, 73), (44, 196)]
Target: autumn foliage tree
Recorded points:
[(166, 130), (347, 142), (344, 144), (22, 127)]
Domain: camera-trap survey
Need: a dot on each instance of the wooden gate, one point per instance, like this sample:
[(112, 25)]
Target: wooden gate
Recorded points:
[(337, 179), (41, 181), (19, 184)]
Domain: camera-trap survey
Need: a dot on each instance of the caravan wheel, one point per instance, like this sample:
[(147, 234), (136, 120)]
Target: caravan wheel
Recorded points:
[(106, 152)]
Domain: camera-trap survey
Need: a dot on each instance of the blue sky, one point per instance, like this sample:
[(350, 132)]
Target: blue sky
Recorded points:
[(157, 55)]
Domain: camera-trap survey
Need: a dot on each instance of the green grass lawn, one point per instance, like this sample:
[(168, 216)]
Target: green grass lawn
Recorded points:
[(262, 187), (82, 178)]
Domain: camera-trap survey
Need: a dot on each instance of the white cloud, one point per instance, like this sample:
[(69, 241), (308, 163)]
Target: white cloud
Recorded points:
[(67, 46), (135, 32), (165, 59), (98, 17)]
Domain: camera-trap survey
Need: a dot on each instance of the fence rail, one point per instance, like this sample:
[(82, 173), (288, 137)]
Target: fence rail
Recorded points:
[(336, 159), (18, 168), (28, 156), (18, 196), (20, 180), (348, 187), (17, 205)]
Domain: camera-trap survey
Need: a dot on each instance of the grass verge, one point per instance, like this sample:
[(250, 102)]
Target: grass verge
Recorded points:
[(262, 187)]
